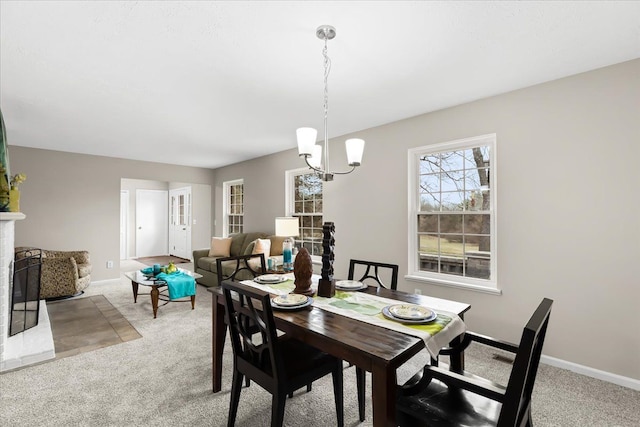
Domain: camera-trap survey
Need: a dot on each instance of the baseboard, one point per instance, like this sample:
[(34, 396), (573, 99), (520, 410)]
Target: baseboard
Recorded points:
[(105, 282), (591, 372)]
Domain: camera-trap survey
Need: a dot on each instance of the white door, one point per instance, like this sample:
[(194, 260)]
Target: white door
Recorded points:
[(180, 222), (152, 223), (124, 222)]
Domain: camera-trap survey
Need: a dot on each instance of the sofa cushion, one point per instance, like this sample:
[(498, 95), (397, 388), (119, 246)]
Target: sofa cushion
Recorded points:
[(276, 245), (220, 246), (248, 238), (207, 263)]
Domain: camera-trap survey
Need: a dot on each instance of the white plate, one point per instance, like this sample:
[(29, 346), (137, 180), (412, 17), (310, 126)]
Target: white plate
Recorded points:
[(411, 312), (293, 307), (270, 278), (385, 313), (350, 285), (290, 300)]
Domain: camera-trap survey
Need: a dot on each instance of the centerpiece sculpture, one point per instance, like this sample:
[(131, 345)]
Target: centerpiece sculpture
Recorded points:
[(327, 285), (302, 271)]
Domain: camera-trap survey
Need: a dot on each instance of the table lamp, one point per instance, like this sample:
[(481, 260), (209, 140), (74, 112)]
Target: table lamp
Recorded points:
[(288, 227)]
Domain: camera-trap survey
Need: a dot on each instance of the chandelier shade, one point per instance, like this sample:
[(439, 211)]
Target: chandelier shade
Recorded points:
[(307, 147)]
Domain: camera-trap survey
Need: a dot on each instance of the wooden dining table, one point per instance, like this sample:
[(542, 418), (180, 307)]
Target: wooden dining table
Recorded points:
[(373, 348)]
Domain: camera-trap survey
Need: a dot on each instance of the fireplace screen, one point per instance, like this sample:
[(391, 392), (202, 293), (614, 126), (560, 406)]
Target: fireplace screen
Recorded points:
[(25, 296)]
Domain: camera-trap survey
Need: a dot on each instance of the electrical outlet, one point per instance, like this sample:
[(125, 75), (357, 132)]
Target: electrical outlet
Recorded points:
[(418, 291), (109, 264)]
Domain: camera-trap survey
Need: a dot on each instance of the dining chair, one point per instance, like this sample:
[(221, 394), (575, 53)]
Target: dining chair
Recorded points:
[(391, 270), (356, 264), (280, 365), (439, 397), (228, 268)]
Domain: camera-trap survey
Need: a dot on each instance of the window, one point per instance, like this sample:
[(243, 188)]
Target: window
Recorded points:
[(233, 206), (452, 202), (304, 200)]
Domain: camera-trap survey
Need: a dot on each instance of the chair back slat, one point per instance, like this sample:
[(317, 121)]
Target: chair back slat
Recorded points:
[(253, 264), (375, 276), (525, 367)]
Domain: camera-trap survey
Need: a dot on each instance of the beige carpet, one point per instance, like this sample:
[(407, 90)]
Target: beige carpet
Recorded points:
[(84, 324)]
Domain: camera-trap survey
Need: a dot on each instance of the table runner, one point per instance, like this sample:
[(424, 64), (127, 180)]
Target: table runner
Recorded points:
[(368, 308)]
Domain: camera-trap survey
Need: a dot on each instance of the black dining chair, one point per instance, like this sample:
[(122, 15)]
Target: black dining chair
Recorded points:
[(371, 272), (229, 268), (438, 397), (280, 365), (356, 265)]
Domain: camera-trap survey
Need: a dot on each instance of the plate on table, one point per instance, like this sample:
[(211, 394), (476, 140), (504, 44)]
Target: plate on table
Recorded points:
[(350, 285), (388, 315), (411, 312), (286, 302), (270, 278)]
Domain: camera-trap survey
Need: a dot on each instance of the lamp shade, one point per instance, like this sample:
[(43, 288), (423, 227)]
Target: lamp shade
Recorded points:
[(306, 140), (287, 226), (355, 148), (316, 156)]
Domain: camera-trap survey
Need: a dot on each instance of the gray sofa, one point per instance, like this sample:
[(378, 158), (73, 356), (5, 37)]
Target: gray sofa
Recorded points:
[(241, 244)]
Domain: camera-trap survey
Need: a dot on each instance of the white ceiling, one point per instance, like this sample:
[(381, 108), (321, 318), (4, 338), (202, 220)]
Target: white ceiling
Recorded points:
[(213, 83)]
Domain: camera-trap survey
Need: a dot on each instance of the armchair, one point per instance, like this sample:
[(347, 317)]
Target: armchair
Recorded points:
[(64, 273)]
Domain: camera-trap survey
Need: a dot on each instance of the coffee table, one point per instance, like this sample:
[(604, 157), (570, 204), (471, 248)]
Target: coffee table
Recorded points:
[(157, 288)]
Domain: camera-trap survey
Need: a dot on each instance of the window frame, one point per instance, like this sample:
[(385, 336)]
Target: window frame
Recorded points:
[(226, 205), (290, 176), (443, 279)]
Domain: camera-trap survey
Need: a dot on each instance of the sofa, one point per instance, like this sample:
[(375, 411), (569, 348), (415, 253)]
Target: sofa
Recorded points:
[(241, 244), (63, 273)]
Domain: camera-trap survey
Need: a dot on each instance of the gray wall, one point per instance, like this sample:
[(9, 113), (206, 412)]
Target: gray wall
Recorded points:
[(72, 201), (568, 208)]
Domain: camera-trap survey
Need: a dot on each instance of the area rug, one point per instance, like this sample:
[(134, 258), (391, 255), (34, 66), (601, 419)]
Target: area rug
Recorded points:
[(85, 324), (162, 260)]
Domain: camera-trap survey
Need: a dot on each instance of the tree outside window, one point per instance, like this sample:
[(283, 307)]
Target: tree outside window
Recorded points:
[(305, 202), (454, 209)]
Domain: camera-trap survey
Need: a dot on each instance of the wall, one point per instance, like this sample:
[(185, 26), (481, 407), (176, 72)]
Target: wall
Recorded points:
[(72, 201), (568, 209)]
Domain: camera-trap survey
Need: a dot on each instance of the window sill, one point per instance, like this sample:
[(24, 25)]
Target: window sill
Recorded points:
[(450, 284)]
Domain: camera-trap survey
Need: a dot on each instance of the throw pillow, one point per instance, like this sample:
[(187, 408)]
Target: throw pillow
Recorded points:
[(262, 246), (220, 247)]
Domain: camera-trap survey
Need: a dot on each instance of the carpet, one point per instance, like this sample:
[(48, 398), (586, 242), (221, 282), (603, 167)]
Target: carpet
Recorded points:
[(86, 324), (164, 379), (162, 260)]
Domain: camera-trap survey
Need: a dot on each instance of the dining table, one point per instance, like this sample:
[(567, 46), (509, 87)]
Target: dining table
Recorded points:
[(374, 348)]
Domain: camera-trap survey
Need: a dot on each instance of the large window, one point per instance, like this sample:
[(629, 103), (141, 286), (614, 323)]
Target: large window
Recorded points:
[(233, 206), (452, 225), (304, 200)]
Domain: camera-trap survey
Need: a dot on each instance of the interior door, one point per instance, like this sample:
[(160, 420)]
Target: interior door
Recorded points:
[(152, 223), (180, 222)]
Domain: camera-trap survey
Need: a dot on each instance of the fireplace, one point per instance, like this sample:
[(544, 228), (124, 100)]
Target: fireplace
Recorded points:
[(25, 295), (33, 345)]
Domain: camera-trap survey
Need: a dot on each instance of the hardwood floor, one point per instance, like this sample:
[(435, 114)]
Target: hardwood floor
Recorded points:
[(85, 324)]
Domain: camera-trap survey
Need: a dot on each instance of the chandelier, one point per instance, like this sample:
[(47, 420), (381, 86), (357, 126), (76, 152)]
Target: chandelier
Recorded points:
[(307, 146)]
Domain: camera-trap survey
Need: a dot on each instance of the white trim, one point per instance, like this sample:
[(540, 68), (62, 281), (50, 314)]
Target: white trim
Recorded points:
[(288, 188), (225, 203), (289, 208), (592, 372), (418, 277), (413, 154)]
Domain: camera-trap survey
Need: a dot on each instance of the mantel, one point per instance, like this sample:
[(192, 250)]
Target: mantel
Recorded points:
[(12, 216)]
